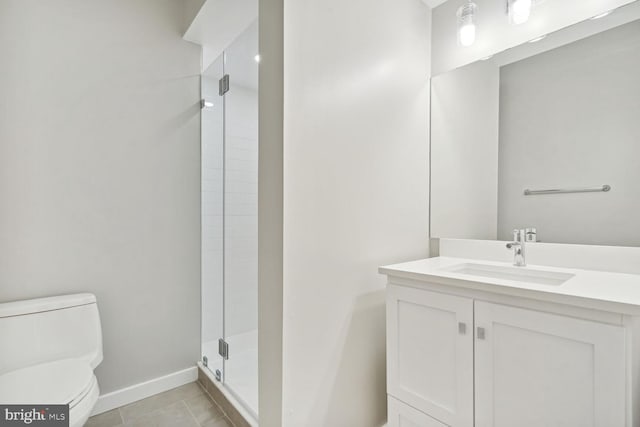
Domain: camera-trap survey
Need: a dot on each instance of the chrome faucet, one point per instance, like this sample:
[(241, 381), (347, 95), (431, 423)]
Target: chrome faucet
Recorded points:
[(519, 238)]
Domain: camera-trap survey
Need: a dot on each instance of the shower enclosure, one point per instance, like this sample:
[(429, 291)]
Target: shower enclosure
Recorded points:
[(230, 219)]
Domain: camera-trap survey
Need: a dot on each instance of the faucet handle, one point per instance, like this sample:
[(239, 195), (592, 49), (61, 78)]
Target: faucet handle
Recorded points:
[(519, 235), (531, 235)]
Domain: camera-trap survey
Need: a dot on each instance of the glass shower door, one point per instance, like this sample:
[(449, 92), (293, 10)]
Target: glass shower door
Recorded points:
[(241, 218), (230, 218)]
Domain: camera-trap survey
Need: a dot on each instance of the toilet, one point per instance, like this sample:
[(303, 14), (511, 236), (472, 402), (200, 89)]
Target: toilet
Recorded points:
[(49, 349)]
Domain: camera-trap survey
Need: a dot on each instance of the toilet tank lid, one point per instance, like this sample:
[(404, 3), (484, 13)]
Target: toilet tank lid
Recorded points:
[(37, 305)]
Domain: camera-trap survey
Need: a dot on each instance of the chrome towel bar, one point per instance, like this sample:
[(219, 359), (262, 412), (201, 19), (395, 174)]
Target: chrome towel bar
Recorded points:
[(605, 188)]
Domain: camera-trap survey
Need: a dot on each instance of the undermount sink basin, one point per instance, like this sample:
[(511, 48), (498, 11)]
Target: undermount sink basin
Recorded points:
[(518, 274)]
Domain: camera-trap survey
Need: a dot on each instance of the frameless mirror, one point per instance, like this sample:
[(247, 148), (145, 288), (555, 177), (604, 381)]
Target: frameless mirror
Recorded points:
[(545, 135)]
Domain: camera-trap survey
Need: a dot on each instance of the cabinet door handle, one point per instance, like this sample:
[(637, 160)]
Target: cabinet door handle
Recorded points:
[(481, 333), (462, 328)]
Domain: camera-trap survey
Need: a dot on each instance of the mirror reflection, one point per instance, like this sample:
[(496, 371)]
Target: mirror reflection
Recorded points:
[(544, 136)]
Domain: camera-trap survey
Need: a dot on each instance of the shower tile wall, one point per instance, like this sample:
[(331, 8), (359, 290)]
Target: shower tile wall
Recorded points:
[(241, 210)]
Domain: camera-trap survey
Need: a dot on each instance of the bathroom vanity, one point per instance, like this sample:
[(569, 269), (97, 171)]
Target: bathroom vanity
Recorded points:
[(481, 343), (540, 138)]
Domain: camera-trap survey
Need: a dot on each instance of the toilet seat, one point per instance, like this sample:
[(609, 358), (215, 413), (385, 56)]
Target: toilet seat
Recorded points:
[(64, 382)]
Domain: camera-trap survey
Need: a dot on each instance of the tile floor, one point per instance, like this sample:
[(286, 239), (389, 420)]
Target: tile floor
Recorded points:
[(185, 406)]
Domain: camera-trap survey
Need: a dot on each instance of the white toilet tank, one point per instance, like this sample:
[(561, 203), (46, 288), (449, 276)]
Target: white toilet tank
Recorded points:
[(47, 329)]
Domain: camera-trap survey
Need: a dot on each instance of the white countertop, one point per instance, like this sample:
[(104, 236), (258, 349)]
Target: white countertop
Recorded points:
[(615, 292)]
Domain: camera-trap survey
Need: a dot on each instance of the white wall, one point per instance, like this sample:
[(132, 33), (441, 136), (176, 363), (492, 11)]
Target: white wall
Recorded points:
[(99, 172), (192, 7), (464, 149), (355, 196), (217, 23), (569, 118), (495, 34), (270, 210)]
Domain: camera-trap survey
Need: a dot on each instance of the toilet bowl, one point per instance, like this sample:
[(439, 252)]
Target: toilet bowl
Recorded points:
[(50, 348)]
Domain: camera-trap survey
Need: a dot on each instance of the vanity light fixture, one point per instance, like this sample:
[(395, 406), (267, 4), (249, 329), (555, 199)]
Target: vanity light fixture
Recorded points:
[(519, 11), (467, 24)]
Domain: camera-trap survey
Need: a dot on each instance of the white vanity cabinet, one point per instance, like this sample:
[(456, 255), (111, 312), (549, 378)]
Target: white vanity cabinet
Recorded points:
[(540, 369), (430, 353), (402, 415), (462, 361)]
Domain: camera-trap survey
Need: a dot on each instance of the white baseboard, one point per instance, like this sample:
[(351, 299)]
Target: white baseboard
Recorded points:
[(124, 396)]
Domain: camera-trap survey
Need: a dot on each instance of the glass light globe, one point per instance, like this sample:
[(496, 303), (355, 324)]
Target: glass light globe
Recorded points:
[(467, 24), (519, 11)]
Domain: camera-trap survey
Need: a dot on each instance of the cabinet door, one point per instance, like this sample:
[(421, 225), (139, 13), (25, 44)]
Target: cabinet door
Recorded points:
[(537, 369), (430, 353), (403, 415)]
